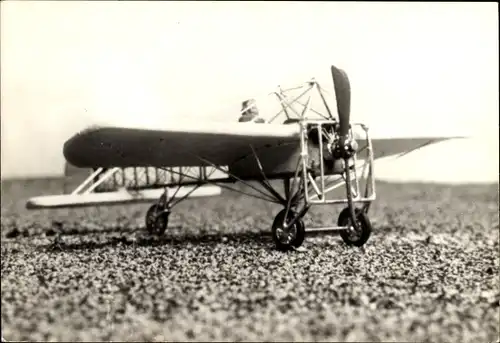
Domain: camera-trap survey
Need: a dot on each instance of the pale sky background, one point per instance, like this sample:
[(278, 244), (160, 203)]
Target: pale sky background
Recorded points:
[(66, 62)]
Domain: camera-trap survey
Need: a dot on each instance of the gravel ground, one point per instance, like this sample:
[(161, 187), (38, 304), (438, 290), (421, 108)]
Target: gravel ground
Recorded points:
[(428, 273)]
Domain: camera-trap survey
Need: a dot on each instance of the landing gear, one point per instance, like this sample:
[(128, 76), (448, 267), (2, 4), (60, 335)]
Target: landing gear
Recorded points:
[(157, 220), (289, 237), (161, 222), (356, 235), (151, 217)]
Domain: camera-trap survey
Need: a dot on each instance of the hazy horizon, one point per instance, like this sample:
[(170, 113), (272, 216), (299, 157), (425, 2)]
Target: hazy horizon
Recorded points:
[(65, 63)]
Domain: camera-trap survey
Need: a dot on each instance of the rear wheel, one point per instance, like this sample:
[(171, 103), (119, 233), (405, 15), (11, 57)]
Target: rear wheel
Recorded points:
[(156, 220), (355, 236), (290, 237), (151, 217), (161, 223)]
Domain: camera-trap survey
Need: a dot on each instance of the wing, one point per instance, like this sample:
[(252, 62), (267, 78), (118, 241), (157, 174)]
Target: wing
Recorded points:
[(172, 144), (385, 147)]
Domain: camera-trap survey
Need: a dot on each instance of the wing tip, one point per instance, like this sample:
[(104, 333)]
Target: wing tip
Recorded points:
[(71, 151)]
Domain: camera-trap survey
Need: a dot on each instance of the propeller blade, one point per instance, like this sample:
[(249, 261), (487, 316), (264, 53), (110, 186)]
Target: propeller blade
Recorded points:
[(343, 95)]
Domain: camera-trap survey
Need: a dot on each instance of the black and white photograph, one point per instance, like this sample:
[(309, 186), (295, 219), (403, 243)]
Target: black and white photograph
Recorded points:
[(249, 171)]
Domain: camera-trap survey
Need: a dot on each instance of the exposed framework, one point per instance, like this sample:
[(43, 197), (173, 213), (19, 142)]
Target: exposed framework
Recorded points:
[(301, 190)]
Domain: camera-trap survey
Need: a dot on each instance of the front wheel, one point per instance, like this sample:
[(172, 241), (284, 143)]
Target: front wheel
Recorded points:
[(355, 236), (290, 237)]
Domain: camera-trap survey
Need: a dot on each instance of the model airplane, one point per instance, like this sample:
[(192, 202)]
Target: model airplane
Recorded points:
[(312, 157)]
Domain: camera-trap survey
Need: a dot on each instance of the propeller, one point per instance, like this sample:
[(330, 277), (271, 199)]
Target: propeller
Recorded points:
[(343, 94), (346, 147)]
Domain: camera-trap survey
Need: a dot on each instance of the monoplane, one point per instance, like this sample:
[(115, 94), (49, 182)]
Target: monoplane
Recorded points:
[(310, 156)]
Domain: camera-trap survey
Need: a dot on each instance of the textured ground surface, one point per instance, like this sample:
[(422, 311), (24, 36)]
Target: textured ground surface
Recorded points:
[(429, 272)]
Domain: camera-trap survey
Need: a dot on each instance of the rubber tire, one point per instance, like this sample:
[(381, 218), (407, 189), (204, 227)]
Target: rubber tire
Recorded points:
[(300, 229), (161, 223), (151, 218), (156, 221), (364, 225)]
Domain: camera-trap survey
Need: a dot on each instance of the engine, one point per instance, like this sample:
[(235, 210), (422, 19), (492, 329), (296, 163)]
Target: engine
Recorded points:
[(333, 150)]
